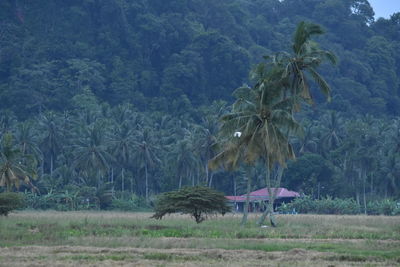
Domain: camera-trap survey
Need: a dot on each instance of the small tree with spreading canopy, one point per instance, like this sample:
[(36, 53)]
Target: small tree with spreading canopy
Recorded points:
[(198, 201)]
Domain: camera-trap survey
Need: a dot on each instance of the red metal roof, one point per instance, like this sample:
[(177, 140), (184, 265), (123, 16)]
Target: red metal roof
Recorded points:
[(263, 194), (237, 198), (281, 192)]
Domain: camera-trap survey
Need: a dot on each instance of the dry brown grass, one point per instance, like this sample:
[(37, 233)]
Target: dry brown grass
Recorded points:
[(92, 256)]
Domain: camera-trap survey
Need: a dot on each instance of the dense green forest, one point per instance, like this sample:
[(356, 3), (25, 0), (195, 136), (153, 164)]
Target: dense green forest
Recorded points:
[(125, 96)]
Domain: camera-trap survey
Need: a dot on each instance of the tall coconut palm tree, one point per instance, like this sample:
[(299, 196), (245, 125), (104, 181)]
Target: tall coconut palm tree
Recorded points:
[(263, 115), (263, 120), (231, 159), (307, 56), (285, 79), (290, 71)]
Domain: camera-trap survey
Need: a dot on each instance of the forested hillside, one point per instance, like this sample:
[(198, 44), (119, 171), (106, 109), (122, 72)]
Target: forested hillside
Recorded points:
[(124, 95)]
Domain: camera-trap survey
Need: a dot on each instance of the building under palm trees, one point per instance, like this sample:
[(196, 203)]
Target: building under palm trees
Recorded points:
[(259, 198)]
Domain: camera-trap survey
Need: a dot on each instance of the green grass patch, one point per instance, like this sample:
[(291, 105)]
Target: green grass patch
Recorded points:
[(111, 229), (34, 228)]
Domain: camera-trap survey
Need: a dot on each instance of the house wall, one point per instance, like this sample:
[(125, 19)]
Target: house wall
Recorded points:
[(259, 206)]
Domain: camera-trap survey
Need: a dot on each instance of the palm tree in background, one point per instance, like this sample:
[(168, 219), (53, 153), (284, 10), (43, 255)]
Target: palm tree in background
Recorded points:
[(7, 121), (146, 155), (206, 142), (331, 127), (15, 168), (52, 139), (185, 160), (122, 145), (91, 155), (26, 138), (309, 141)]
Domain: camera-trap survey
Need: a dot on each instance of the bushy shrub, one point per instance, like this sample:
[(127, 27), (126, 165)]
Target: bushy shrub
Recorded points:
[(349, 206), (337, 206), (396, 210), (10, 202), (61, 201), (130, 204), (383, 207), (301, 205)]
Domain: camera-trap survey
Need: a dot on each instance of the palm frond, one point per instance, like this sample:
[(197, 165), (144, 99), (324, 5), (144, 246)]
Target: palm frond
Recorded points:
[(323, 85), (303, 33), (331, 57), (227, 159)]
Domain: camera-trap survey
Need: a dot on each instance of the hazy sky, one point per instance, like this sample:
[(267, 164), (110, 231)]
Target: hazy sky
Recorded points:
[(385, 8)]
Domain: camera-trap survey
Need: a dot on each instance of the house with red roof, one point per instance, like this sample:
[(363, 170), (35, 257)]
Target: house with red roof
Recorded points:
[(259, 198)]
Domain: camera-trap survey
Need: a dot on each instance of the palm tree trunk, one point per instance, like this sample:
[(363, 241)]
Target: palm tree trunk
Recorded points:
[(198, 175), (42, 163), (364, 191), (234, 190), (132, 184), (123, 180), (268, 210), (372, 184), (112, 181), (211, 179), (111, 175), (51, 166), (146, 182), (206, 180), (246, 206), (272, 195), (98, 179), (357, 192)]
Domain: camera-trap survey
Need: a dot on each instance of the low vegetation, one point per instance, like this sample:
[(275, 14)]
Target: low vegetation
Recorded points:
[(10, 201), (349, 206)]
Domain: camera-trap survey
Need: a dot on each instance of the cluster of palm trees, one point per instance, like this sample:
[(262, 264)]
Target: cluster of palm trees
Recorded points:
[(99, 147), (362, 155)]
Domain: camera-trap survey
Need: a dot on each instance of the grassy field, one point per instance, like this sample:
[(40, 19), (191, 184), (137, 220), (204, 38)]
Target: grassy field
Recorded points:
[(118, 238)]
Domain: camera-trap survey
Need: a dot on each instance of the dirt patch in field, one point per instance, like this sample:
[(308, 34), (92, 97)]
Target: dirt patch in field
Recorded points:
[(94, 256)]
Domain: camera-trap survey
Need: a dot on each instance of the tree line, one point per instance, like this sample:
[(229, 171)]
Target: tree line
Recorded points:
[(124, 150)]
